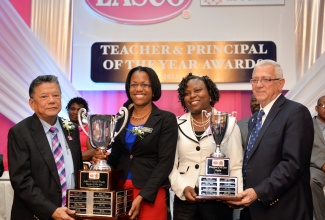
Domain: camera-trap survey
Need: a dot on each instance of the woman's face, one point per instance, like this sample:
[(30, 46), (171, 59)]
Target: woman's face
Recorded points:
[(197, 97), (140, 88), (73, 112)]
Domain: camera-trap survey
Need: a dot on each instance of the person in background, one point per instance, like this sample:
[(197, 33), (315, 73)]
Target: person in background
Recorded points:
[(145, 149), (198, 93), (42, 165), (73, 106), (243, 124), (276, 164), (317, 162)]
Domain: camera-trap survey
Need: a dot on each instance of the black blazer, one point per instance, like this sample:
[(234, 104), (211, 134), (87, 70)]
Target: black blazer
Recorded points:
[(152, 158), (278, 166), (32, 169)]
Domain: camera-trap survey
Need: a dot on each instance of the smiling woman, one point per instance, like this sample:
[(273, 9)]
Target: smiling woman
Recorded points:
[(145, 150)]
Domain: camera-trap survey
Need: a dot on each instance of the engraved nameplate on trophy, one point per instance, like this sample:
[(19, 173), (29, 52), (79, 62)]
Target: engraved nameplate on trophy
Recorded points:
[(217, 166), (217, 187), (90, 203)]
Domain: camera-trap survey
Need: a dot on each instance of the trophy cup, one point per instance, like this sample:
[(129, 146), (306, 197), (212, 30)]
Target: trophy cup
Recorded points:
[(217, 184), (99, 191), (102, 132)]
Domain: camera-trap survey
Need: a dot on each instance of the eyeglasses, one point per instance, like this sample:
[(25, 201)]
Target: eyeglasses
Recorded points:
[(264, 81), (321, 106), (143, 86)]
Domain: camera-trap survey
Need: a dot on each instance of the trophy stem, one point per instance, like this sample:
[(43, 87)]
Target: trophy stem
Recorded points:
[(101, 164), (218, 153)]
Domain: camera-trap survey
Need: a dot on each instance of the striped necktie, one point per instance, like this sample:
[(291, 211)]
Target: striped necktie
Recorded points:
[(59, 161), (252, 138)]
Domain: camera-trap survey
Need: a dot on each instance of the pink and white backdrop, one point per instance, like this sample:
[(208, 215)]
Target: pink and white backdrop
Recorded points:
[(227, 23)]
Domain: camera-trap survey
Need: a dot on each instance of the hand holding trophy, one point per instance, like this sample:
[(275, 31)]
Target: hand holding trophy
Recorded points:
[(217, 184)]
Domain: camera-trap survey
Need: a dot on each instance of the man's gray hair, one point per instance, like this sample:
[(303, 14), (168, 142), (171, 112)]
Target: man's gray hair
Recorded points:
[(277, 67)]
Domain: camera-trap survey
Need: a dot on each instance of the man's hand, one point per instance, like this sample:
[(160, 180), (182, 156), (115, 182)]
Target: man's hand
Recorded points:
[(189, 194), (135, 208), (62, 213), (247, 198)]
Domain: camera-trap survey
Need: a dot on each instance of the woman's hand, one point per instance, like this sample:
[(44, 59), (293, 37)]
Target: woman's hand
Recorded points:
[(189, 194), (135, 208)]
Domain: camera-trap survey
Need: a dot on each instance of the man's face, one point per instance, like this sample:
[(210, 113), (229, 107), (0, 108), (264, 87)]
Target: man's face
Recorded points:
[(267, 91), (46, 102), (255, 105), (320, 110)]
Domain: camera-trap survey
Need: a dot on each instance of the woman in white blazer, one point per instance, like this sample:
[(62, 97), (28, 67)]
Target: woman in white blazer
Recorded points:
[(196, 94)]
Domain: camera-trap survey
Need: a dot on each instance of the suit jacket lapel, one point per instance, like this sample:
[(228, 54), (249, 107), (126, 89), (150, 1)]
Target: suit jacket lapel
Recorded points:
[(153, 119), (71, 143), (185, 126), (273, 112), (44, 147)]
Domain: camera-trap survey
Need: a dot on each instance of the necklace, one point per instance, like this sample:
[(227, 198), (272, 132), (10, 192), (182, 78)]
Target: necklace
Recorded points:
[(139, 118), (199, 124), (196, 135)]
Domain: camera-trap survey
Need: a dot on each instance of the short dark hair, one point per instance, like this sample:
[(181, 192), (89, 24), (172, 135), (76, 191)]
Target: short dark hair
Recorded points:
[(154, 81), (318, 100), (40, 80), (79, 101), (211, 87)]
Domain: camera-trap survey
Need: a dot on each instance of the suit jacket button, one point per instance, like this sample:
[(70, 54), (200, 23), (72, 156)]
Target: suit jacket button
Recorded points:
[(131, 156), (198, 148), (197, 166)]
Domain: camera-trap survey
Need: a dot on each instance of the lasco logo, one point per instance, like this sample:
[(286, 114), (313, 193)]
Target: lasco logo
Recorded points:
[(138, 11)]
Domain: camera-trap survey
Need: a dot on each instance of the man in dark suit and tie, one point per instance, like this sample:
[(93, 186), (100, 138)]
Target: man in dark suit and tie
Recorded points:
[(276, 168), (43, 166)]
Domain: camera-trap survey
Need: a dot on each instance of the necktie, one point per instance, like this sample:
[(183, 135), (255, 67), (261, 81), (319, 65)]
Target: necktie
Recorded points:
[(252, 138), (59, 161)]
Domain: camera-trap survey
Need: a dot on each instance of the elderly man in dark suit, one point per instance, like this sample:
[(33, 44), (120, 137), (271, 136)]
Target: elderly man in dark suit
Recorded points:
[(39, 176), (276, 164), (317, 161)]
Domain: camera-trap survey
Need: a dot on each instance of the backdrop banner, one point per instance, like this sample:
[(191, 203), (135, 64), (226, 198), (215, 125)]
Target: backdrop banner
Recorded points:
[(228, 61)]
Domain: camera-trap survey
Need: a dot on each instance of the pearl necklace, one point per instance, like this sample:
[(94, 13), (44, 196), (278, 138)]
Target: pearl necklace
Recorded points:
[(199, 124), (137, 118)]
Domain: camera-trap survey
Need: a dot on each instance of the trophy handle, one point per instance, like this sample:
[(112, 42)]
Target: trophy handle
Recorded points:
[(82, 114), (122, 112)]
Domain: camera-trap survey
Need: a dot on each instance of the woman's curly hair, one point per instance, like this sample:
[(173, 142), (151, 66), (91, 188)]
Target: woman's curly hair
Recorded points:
[(211, 87)]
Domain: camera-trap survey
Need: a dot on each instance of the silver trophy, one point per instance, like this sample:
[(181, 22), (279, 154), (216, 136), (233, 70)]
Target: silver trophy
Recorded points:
[(218, 126), (102, 132)]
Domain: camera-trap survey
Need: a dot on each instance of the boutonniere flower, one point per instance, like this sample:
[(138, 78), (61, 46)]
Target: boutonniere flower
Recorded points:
[(69, 126), (139, 131)]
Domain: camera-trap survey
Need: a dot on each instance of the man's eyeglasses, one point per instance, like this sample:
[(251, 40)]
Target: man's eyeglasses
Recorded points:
[(143, 86), (263, 81), (322, 106)]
